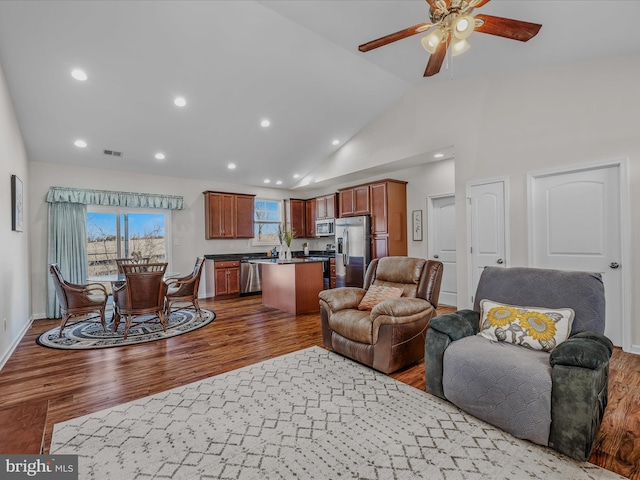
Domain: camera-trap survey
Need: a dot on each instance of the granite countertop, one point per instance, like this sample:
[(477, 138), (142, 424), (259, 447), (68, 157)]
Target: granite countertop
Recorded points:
[(263, 256)]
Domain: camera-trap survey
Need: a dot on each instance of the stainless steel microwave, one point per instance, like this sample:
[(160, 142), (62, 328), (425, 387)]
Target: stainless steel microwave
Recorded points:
[(325, 228)]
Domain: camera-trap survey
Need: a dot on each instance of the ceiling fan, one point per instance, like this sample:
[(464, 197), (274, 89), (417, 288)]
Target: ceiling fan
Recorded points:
[(451, 24)]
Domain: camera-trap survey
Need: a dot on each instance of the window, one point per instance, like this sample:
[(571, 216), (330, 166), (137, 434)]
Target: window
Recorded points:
[(115, 234), (267, 218)]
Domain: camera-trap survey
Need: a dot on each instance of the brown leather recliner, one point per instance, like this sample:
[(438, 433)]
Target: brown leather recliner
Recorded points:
[(392, 334)]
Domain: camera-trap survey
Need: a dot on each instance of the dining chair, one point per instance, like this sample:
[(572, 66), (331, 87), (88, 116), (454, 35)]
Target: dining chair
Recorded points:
[(78, 299), (130, 261), (141, 295), (185, 289)]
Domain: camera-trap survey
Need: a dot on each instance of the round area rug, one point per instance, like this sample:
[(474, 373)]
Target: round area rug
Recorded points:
[(88, 335)]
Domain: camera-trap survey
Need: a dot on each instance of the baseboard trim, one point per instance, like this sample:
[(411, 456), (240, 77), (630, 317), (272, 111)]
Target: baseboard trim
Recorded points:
[(635, 349), (15, 343)]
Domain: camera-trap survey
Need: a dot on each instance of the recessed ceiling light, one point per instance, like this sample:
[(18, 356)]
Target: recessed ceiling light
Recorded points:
[(160, 156), (79, 74), (231, 166), (180, 101), (266, 180), (335, 142), (296, 175), (80, 143), (265, 123), (279, 182), (438, 155)]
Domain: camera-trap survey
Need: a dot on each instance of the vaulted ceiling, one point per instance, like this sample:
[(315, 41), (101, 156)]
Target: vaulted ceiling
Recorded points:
[(237, 63)]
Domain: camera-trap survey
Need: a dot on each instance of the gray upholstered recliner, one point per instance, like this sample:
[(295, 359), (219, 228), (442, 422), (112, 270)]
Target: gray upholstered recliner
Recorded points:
[(391, 335), (555, 399)]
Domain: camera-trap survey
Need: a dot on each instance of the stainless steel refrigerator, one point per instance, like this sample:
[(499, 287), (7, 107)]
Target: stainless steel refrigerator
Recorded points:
[(353, 250)]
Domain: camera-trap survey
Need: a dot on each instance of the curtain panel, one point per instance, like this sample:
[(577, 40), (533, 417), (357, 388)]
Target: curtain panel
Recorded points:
[(118, 199), (67, 248)]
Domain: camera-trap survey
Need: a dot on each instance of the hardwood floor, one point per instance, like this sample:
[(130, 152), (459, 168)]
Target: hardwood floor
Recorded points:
[(76, 383)]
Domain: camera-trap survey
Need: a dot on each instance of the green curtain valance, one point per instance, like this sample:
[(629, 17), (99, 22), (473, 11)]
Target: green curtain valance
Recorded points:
[(118, 199)]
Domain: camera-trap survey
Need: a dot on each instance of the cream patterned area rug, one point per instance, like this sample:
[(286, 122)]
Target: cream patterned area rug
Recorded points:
[(310, 414), (90, 335)]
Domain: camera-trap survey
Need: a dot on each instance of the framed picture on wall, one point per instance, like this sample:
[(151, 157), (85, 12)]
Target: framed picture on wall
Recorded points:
[(417, 225), (17, 205)]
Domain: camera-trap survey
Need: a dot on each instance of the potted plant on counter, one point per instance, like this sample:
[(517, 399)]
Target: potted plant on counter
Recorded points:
[(289, 235), (286, 236)]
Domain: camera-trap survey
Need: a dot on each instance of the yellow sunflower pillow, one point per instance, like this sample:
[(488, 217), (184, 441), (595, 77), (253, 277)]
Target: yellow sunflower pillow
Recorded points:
[(531, 327)]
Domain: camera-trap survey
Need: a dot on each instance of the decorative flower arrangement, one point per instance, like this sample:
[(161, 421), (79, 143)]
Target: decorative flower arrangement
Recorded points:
[(285, 235), (289, 235)]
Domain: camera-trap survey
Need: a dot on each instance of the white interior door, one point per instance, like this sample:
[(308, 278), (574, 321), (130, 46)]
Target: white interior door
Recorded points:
[(442, 244), (487, 232), (576, 225)]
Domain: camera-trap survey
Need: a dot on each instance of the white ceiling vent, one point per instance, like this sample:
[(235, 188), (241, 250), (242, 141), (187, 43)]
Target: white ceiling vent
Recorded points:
[(113, 153)]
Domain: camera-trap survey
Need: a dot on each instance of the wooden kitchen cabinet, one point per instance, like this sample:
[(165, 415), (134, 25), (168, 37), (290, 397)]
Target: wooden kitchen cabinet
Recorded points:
[(228, 215), (331, 206), (326, 207), (389, 218), (361, 200), (354, 201), (379, 246), (297, 216), (301, 216), (227, 279), (386, 202), (219, 218), (346, 202), (310, 218), (244, 216)]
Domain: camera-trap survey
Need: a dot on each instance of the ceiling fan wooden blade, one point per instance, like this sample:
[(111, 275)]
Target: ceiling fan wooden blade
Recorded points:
[(436, 59), (507, 28), (394, 37), (432, 4)]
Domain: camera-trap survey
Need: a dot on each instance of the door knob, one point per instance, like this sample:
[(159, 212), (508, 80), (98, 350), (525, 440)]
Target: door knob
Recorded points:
[(614, 265), (500, 261), (436, 256)]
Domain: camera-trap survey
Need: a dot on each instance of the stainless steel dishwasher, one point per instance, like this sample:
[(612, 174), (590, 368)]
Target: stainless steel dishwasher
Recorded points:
[(250, 275)]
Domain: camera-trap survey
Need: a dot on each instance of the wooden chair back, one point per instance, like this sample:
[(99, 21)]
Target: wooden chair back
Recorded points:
[(58, 282), (145, 287), (197, 273), (120, 262)]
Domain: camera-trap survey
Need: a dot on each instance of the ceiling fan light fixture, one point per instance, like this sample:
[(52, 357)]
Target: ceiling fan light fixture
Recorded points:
[(459, 46), (464, 26), (431, 41)]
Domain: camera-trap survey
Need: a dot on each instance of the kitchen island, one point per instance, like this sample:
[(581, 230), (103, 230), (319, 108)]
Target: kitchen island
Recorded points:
[(292, 285)]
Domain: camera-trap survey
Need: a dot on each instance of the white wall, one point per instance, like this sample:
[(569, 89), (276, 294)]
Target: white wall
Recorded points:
[(436, 178), (14, 262), (512, 125)]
